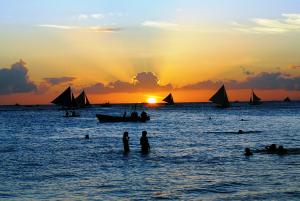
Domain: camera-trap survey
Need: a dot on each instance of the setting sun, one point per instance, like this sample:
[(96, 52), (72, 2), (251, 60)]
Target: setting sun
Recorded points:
[(151, 100)]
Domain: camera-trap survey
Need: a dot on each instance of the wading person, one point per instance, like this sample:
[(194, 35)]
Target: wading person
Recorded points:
[(145, 147), (126, 142)]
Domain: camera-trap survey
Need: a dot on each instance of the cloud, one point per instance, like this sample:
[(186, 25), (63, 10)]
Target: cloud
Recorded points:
[(144, 81), (90, 28), (262, 80), (102, 29), (97, 16), (83, 17), (57, 26), (246, 72), (159, 24), (286, 23), (58, 80), (15, 79), (295, 67)]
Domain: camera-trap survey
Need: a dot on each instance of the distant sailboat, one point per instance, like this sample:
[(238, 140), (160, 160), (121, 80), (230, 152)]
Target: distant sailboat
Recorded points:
[(65, 99), (254, 99), (169, 99), (220, 98), (82, 100), (287, 99)]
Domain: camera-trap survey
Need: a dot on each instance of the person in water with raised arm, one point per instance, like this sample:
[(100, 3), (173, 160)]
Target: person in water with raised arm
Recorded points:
[(126, 142), (145, 146)]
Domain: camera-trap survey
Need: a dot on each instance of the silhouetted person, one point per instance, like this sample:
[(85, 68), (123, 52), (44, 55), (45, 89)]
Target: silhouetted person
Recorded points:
[(67, 113), (281, 150), (145, 147), (134, 116), (248, 152), (240, 132), (144, 116), (126, 142), (87, 137), (271, 148)]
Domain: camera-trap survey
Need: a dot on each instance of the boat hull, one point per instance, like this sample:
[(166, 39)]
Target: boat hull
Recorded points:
[(107, 118)]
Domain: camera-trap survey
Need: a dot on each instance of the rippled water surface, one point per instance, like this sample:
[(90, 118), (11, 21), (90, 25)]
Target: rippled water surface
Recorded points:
[(193, 157)]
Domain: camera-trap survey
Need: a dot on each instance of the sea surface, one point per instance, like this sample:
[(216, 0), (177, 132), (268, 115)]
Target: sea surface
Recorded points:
[(196, 153)]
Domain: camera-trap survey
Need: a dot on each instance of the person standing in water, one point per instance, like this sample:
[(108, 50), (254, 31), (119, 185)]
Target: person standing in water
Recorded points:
[(145, 147), (126, 142)]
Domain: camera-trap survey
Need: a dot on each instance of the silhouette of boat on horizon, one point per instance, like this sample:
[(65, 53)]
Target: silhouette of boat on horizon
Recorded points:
[(254, 99), (287, 99), (107, 104), (68, 102), (220, 98), (169, 100)]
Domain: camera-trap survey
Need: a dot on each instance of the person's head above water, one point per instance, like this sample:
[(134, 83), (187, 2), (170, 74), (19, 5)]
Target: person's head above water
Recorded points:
[(248, 152), (144, 133), (240, 131), (87, 137), (273, 147)]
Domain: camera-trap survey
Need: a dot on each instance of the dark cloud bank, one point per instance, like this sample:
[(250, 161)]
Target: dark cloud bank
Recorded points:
[(144, 81), (262, 80), (15, 79), (58, 80)]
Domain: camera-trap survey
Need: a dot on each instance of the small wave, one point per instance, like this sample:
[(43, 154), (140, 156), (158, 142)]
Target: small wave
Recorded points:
[(6, 195), (231, 132), (8, 150), (63, 175)]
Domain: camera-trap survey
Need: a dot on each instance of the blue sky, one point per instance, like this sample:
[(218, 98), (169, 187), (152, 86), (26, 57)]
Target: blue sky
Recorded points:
[(136, 11)]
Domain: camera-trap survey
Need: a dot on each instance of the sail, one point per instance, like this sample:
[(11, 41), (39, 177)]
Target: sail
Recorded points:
[(82, 100), (64, 99), (169, 99), (220, 98), (254, 99), (74, 103), (287, 99), (87, 102)]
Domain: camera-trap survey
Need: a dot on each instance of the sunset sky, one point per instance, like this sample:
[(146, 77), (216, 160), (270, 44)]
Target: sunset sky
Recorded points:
[(129, 50)]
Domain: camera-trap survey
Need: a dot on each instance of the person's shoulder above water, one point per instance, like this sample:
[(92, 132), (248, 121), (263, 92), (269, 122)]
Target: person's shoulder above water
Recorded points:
[(248, 152)]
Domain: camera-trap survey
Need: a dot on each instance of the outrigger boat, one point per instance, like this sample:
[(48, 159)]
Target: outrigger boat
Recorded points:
[(132, 118)]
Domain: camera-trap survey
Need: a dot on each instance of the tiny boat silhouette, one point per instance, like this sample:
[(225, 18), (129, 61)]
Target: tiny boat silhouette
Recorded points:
[(169, 100), (254, 99), (220, 98), (287, 99), (107, 104), (132, 118)]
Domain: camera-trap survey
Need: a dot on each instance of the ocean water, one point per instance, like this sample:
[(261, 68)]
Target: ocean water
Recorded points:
[(196, 154)]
